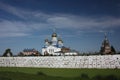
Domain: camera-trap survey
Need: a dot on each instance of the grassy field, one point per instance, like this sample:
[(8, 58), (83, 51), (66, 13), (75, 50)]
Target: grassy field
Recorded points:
[(58, 74)]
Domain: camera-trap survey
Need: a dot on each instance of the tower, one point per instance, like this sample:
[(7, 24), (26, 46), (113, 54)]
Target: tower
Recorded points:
[(60, 43), (54, 39), (47, 43), (105, 48)]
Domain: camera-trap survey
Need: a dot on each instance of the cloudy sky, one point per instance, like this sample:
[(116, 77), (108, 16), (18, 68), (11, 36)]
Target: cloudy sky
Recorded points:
[(80, 23)]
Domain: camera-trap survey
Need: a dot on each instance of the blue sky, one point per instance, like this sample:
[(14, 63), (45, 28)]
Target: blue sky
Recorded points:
[(80, 23)]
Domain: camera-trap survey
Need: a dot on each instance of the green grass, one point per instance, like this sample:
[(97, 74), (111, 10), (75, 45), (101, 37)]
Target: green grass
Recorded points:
[(11, 73)]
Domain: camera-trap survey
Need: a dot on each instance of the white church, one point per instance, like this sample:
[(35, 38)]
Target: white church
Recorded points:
[(55, 47)]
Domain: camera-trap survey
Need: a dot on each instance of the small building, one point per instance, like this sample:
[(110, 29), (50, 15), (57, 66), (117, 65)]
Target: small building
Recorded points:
[(29, 52)]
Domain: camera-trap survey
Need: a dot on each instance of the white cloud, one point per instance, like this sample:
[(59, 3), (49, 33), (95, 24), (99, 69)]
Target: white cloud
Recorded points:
[(10, 26), (12, 10), (14, 34), (84, 22), (37, 20), (13, 29)]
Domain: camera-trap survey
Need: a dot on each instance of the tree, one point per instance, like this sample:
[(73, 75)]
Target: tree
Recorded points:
[(8, 53)]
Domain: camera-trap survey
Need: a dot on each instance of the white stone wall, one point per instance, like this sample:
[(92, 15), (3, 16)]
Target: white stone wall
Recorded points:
[(95, 61)]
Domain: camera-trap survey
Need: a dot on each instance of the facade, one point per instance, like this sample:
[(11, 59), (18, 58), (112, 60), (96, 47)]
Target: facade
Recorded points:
[(55, 47), (29, 52)]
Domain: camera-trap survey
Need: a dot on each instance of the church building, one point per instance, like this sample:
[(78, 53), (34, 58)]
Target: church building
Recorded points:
[(55, 47), (106, 48)]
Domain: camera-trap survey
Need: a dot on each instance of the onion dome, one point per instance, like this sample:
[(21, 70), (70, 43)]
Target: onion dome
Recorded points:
[(46, 40), (60, 40), (54, 35)]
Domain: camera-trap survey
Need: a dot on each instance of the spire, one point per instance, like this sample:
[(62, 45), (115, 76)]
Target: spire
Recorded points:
[(54, 30), (105, 36), (106, 41), (54, 33), (54, 38), (59, 39), (46, 42), (60, 42)]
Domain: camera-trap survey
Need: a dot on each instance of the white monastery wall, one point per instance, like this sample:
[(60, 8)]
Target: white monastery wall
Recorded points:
[(94, 61)]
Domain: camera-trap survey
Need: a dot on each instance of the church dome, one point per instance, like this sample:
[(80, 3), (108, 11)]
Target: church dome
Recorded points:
[(60, 40), (46, 40), (54, 35)]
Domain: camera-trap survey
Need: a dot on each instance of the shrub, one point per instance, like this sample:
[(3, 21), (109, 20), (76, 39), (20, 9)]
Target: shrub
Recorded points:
[(41, 73), (84, 76), (98, 77), (110, 77)]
